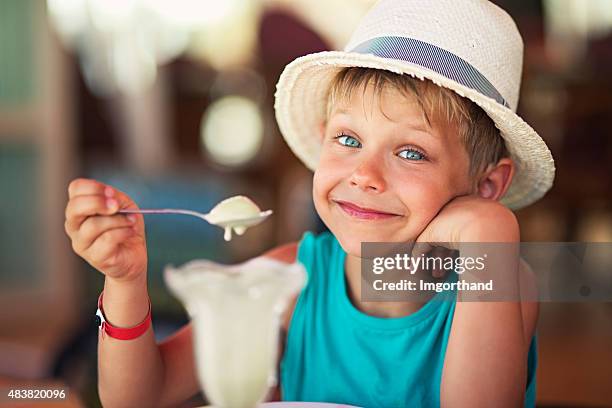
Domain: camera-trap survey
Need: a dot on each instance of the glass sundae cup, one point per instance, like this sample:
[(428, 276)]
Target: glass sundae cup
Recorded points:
[(236, 312)]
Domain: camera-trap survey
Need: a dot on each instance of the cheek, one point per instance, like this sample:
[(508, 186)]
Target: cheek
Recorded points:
[(423, 197), (326, 176), (322, 184), (317, 188), (321, 187)]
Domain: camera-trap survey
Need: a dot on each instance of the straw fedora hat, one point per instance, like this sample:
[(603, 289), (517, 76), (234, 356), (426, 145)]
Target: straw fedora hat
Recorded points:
[(472, 47)]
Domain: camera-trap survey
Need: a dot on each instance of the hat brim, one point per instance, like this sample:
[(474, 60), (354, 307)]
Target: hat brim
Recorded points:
[(300, 103)]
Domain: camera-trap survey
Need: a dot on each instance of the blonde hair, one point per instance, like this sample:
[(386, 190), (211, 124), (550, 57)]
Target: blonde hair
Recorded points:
[(440, 106)]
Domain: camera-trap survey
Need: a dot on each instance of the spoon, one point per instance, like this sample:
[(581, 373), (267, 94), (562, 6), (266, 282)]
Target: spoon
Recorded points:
[(237, 213)]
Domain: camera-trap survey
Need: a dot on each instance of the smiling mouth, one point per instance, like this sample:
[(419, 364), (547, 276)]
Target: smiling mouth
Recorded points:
[(364, 213)]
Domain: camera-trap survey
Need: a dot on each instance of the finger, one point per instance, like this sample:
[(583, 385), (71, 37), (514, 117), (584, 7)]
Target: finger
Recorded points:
[(124, 200), (438, 273), (83, 186), (81, 207), (102, 251), (93, 227), (419, 252), (437, 253)]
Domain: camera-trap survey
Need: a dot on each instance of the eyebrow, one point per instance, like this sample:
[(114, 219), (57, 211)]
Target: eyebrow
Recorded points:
[(414, 126)]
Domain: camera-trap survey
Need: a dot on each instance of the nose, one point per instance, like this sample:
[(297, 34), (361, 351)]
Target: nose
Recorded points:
[(368, 176)]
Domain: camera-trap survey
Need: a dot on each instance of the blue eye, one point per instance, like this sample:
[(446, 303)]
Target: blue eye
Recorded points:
[(411, 154), (348, 141)]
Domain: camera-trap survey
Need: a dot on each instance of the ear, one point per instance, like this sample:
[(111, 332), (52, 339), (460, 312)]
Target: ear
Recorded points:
[(494, 183)]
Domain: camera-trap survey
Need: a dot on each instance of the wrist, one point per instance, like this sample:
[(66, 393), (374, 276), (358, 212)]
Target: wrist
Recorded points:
[(499, 226), (133, 277), (136, 281), (125, 302), (121, 333)]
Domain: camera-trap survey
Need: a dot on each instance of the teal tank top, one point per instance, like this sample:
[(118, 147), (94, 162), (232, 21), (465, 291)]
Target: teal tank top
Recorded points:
[(338, 354)]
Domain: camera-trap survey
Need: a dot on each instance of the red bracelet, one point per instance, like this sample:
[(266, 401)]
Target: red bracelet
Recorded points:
[(121, 333)]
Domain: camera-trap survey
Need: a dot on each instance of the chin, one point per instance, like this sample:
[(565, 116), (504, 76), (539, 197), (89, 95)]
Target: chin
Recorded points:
[(350, 245)]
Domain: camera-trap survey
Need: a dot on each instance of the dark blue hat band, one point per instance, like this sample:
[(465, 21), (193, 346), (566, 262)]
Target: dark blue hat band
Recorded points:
[(431, 57)]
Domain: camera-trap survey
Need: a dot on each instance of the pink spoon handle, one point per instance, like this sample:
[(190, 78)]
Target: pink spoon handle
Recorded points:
[(163, 211)]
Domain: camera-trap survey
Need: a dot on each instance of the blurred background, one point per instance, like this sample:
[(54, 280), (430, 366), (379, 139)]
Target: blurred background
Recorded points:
[(172, 102)]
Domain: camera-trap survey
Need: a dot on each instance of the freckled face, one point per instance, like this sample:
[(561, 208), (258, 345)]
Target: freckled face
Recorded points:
[(383, 173)]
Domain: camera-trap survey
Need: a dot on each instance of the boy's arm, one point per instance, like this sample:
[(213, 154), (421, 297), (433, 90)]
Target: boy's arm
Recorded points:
[(486, 358), (148, 374), (530, 308)]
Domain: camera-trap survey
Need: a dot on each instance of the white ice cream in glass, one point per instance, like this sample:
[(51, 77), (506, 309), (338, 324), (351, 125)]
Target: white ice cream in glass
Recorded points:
[(236, 311)]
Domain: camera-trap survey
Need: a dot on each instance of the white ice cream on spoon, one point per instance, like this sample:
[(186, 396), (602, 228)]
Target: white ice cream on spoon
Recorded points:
[(237, 213)]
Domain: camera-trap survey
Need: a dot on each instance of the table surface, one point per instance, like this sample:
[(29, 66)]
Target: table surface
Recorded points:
[(284, 404)]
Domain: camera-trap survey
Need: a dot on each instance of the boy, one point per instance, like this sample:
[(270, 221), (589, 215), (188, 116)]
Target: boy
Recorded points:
[(412, 136)]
